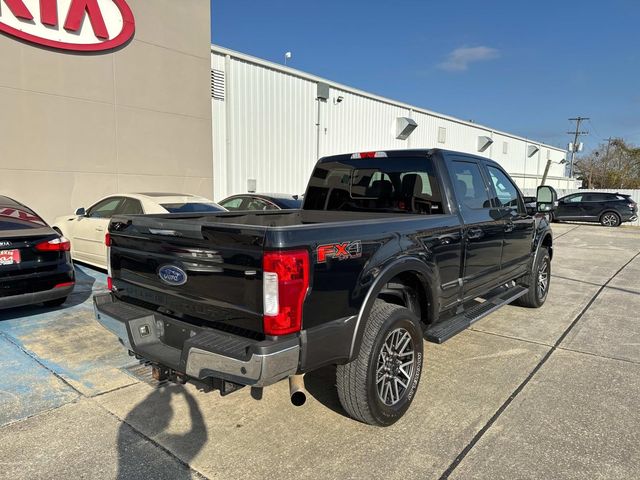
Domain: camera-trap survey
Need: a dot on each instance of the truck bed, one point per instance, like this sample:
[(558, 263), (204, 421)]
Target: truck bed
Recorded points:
[(222, 256)]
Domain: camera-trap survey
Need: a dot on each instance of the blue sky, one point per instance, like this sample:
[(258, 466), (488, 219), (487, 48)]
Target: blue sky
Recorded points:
[(523, 67)]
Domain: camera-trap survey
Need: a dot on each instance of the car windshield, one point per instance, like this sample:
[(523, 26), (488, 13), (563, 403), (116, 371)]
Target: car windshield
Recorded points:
[(192, 207)]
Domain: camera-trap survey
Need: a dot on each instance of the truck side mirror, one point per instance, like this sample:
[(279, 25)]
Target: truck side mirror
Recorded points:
[(546, 199), (80, 212)]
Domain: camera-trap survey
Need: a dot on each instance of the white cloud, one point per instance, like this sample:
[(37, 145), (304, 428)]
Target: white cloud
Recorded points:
[(460, 58)]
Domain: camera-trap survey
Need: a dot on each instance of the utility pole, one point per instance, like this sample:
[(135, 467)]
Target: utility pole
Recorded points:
[(576, 134), (606, 159)]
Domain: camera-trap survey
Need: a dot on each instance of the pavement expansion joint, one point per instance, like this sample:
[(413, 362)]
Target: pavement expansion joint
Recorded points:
[(42, 412), (510, 337), (460, 457), (605, 357), (195, 473)]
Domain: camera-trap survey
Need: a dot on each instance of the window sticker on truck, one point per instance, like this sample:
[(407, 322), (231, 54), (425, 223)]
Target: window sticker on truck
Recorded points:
[(341, 251)]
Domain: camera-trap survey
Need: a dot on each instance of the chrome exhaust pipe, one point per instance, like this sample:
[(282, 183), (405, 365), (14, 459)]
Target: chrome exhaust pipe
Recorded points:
[(296, 390)]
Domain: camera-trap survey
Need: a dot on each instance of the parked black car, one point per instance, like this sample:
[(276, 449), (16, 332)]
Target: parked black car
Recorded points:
[(389, 248), (35, 262), (610, 209), (261, 201)]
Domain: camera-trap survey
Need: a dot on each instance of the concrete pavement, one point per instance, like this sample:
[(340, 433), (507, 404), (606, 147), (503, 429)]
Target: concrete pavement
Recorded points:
[(547, 393)]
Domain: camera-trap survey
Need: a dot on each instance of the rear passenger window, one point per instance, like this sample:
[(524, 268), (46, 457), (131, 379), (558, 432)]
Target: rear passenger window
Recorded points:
[(130, 206), (469, 184), (505, 189)]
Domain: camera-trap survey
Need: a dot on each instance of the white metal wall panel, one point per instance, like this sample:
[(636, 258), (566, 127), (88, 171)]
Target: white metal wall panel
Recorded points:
[(358, 124), (272, 127), (267, 128), (219, 137)]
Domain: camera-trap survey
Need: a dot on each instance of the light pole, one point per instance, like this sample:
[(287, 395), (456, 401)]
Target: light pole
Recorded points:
[(546, 169)]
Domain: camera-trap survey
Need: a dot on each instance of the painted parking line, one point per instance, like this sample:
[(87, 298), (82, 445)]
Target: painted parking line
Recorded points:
[(26, 387)]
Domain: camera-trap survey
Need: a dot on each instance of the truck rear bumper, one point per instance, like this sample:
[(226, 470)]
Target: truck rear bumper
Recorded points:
[(205, 353)]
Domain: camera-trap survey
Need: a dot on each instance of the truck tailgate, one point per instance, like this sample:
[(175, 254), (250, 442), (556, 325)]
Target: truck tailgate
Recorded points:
[(203, 273)]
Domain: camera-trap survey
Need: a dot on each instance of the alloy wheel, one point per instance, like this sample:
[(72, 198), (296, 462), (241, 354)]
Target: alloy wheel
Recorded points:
[(610, 220), (543, 279), (395, 366)]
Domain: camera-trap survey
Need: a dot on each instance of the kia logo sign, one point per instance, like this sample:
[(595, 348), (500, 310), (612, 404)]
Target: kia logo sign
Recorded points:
[(76, 25)]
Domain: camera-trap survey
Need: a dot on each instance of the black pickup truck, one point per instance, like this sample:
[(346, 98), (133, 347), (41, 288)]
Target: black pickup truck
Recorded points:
[(389, 248)]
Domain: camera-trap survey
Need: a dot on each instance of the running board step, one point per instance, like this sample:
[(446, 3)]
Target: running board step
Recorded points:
[(443, 331)]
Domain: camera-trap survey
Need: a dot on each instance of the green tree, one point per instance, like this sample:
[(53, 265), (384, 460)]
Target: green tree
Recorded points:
[(616, 165)]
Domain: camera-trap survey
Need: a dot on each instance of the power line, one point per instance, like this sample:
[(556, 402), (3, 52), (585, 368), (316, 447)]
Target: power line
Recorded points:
[(576, 134)]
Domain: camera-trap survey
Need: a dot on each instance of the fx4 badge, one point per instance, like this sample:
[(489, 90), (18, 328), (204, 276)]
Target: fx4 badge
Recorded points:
[(341, 251)]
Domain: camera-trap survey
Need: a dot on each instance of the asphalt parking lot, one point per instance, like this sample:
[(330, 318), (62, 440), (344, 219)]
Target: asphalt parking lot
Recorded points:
[(548, 393)]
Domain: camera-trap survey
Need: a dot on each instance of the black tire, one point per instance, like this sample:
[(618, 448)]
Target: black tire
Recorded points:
[(610, 219), (552, 218), (536, 297), (356, 381), (55, 303)]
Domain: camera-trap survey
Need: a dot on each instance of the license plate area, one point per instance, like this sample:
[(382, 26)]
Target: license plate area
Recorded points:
[(10, 257)]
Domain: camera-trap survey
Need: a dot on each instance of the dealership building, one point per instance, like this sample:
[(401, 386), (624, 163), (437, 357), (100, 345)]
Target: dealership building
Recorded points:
[(79, 122), (112, 96)]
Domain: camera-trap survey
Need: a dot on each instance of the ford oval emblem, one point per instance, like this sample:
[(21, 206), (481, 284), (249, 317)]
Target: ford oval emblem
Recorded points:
[(172, 275)]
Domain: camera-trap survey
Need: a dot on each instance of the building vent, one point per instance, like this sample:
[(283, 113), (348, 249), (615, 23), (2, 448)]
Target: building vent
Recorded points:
[(217, 84), (442, 135), (532, 150), (405, 127), (484, 142)]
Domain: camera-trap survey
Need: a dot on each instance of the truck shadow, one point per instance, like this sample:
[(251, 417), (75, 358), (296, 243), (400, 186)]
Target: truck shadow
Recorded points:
[(321, 385), (138, 455)]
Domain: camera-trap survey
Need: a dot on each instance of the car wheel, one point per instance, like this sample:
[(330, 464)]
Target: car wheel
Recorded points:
[(55, 303), (538, 280), (379, 385), (610, 219)]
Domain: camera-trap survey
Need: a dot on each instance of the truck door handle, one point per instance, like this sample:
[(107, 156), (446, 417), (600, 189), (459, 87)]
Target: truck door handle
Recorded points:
[(474, 233), (99, 230), (509, 227)]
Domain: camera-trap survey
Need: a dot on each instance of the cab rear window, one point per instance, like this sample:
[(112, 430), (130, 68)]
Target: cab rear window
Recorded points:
[(401, 185)]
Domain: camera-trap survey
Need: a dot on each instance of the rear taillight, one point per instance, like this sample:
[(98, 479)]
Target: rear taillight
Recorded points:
[(60, 244), (285, 284), (107, 242)]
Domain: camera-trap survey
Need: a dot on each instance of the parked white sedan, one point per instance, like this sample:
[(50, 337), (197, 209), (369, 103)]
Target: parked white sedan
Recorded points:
[(87, 227)]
